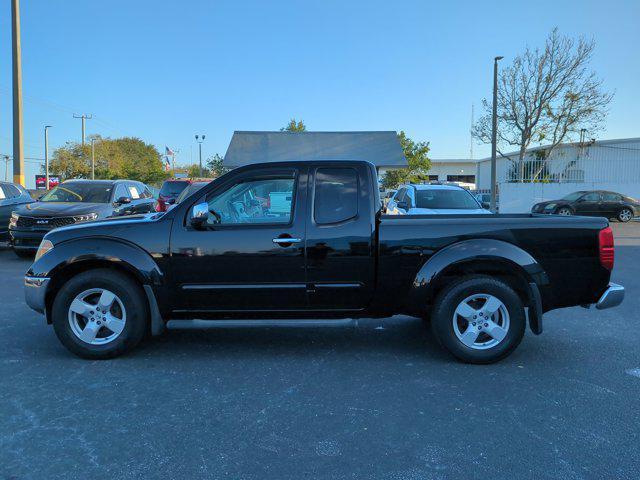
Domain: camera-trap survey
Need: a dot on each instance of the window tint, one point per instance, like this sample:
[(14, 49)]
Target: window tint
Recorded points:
[(446, 199), (254, 201), (611, 197), (11, 191), (121, 191), (591, 197), (336, 195), (146, 193), (84, 192), (400, 195)]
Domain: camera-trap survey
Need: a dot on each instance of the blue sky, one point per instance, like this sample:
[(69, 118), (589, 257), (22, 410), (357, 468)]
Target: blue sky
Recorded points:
[(164, 71)]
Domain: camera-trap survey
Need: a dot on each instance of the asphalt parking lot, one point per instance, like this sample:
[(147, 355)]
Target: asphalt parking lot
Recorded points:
[(378, 401)]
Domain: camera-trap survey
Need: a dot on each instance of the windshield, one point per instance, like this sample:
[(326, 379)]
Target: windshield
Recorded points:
[(194, 187), (79, 192), (172, 188), (573, 196), (445, 199)]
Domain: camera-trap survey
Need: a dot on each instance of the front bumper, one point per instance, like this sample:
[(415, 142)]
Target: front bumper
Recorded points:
[(612, 297), (26, 240), (35, 290)]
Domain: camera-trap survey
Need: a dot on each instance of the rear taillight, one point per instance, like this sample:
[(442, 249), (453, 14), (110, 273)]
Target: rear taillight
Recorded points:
[(606, 248)]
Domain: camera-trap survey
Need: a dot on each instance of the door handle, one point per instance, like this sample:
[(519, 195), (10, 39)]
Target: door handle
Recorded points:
[(286, 240)]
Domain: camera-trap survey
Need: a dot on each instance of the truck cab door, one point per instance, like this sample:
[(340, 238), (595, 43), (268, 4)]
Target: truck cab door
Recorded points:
[(249, 254), (340, 237)]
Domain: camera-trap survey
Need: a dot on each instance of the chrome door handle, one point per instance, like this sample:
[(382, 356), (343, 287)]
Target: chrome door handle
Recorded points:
[(280, 240)]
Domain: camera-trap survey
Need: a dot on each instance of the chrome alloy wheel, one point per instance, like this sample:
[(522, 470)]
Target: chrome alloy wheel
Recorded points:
[(97, 316), (481, 321), (564, 211), (625, 215)]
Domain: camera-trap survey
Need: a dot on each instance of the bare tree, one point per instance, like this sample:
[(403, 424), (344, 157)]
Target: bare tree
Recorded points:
[(547, 96)]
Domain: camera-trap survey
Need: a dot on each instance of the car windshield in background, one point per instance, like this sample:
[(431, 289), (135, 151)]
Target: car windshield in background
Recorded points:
[(194, 187), (445, 199), (79, 192), (572, 197), (172, 189)]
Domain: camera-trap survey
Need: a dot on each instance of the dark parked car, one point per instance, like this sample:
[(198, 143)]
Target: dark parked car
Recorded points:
[(75, 201), (269, 243), (187, 192), (171, 189), (11, 195), (597, 203)]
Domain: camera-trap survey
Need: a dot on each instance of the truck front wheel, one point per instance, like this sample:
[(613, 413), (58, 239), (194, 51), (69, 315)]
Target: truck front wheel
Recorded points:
[(478, 319), (100, 314)]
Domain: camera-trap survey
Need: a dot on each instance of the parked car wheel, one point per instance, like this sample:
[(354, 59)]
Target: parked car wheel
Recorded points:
[(100, 314), (564, 211), (625, 215), (478, 319)]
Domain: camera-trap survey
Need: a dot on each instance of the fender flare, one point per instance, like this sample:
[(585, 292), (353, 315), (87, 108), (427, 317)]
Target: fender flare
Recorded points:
[(481, 249), (127, 256)]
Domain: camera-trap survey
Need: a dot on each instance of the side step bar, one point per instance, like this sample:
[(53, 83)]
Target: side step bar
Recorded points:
[(233, 323)]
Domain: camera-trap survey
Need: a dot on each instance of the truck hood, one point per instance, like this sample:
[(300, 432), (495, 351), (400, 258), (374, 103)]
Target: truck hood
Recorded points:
[(95, 225), (61, 209), (447, 211)]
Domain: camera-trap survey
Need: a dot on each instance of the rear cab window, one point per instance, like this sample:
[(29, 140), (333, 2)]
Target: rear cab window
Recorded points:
[(335, 195)]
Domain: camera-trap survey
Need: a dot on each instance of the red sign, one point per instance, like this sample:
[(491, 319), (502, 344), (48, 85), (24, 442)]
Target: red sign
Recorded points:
[(41, 182)]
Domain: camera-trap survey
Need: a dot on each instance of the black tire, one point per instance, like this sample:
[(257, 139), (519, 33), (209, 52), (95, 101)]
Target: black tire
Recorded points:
[(453, 295), (128, 292), (24, 253), (624, 215), (564, 211)]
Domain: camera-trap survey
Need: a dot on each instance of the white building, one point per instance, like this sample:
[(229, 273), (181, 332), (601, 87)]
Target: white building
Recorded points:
[(453, 170), (596, 165)]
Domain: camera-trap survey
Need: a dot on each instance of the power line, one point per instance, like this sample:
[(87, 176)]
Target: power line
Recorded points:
[(84, 117)]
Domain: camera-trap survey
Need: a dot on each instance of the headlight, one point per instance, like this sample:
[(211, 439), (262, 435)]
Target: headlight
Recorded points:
[(551, 206), (44, 247), (85, 218), (13, 221)]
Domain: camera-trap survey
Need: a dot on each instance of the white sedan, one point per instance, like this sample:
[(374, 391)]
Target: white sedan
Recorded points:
[(430, 199)]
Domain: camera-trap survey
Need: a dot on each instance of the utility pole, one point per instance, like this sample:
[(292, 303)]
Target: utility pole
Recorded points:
[(84, 117), (46, 155), (494, 133), (471, 134), (93, 159), (6, 168), (200, 147), (18, 151)]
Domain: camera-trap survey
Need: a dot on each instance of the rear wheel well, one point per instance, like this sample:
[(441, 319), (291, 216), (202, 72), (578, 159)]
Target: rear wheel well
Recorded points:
[(69, 271), (502, 270)]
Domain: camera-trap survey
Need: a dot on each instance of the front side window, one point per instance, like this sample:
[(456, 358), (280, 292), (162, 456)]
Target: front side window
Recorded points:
[(79, 192), (591, 197), (254, 201), (134, 193), (336, 195), (442, 199)]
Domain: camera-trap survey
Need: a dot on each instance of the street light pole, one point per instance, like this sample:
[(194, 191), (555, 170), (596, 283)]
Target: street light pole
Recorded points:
[(200, 139), (46, 155), (494, 133), (93, 159), (18, 150)]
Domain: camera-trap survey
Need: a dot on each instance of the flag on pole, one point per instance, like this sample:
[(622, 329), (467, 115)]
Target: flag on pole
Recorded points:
[(168, 151)]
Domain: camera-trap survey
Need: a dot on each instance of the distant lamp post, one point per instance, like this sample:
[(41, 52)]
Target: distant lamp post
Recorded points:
[(200, 139), (93, 159), (46, 155), (494, 133)]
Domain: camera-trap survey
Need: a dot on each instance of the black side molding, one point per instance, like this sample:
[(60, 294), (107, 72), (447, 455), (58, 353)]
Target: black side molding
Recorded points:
[(535, 309)]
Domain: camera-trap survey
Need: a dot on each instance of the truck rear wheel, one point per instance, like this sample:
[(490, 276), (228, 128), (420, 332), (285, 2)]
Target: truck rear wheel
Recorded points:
[(100, 314), (478, 319)]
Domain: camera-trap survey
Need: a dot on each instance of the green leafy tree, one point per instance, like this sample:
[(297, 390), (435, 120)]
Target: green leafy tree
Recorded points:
[(126, 157), (418, 164), (193, 171), (294, 126), (216, 167)]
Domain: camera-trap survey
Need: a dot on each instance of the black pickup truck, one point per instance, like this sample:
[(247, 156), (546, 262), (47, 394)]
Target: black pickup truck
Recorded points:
[(276, 242)]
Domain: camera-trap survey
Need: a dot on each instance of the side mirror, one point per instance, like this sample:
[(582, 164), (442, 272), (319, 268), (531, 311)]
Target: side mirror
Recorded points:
[(403, 205), (123, 200), (485, 205), (171, 201), (199, 214)]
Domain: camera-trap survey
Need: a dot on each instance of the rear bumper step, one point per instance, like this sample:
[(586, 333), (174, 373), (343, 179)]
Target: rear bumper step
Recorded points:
[(612, 297)]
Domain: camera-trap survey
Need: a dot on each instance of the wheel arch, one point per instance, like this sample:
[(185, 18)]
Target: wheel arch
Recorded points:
[(490, 257)]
